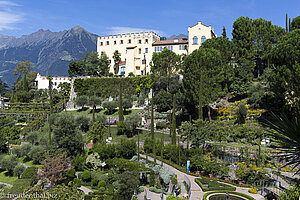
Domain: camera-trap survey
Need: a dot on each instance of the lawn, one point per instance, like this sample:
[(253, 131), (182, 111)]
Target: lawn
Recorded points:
[(211, 185), (30, 163), (7, 179)]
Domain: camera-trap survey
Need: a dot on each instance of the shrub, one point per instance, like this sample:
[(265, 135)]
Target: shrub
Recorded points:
[(79, 162), (161, 125), (95, 182), (86, 176), (253, 191), (71, 174), (77, 182), (8, 163), (17, 151), (29, 173), (83, 123), (36, 154), (18, 170), (101, 184), (101, 189), (154, 189), (141, 189)]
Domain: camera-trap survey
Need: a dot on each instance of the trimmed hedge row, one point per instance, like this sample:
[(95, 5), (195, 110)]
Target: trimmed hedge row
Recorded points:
[(110, 86), (30, 173), (213, 185), (230, 192)]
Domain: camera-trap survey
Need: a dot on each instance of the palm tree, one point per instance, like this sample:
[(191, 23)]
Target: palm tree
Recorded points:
[(117, 59), (285, 131)]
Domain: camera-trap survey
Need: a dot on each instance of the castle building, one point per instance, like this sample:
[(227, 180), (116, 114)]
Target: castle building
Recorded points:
[(136, 49)]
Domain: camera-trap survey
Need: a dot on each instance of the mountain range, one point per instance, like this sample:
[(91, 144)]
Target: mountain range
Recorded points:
[(51, 52)]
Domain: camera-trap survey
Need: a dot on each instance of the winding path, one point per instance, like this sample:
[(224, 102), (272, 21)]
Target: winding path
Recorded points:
[(196, 191)]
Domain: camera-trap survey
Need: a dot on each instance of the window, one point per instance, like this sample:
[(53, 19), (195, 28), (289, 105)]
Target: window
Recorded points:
[(146, 50), (138, 68), (195, 40), (171, 48), (146, 41), (101, 43), (121, 42), (107, 43), (140, 41), (181, 47), (129, 41), (203, 38), (140, 51), (102, 53), (160, 49), (115, 42), (123, 70)]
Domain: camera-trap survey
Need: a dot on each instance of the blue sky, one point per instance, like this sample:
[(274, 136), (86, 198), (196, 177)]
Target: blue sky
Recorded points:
[(166, 17)]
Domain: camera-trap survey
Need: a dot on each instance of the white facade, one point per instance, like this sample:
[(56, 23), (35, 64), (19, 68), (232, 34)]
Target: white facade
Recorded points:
[(198, 34), (136, 49), (43, 83), (133, 48)]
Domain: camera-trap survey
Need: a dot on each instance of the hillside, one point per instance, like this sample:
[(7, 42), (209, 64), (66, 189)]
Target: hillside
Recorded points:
[(51, 52)]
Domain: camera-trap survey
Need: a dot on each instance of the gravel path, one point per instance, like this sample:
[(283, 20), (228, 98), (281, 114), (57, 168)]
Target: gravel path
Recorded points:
[(8, 185), (85, 190)]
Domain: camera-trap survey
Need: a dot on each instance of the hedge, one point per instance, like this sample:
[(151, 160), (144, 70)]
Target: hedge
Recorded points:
[(20, 185), (107, 87), (29, 173), (213, 185), (230, 192)]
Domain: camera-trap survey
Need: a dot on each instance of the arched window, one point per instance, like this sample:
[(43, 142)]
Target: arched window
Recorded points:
[(203, 38), (195, 40)]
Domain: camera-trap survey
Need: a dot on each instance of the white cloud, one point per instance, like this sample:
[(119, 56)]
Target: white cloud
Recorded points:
[(8, 3), (123, 30), (9, 18)]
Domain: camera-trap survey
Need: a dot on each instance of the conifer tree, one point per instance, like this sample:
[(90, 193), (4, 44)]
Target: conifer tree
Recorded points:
[(174, 120), (121, 116), (152, 125), (224, 32), (286, 22), (49, 78)]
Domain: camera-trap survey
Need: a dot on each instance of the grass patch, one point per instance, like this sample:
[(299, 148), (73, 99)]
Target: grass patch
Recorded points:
[(33, 165), (7, 179), (211, 185), (20, 185), (230, 192)]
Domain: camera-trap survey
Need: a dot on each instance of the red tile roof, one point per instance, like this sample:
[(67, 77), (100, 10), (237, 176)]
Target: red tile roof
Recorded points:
[(166, 42)]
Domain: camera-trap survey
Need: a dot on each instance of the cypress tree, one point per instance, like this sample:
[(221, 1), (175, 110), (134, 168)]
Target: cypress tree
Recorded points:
[(94, 108), (152, 125), (286, 22), (25, 83), (289, 24), (200, 109), (224, 32), (121, 116), (174, 120), (51, 110)]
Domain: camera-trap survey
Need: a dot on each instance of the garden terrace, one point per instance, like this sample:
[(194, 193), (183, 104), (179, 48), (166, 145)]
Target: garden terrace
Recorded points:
[(210, 185)]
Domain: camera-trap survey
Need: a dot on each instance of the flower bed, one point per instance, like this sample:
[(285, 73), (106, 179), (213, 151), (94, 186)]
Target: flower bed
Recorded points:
[(211, 185), (230, 192)]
